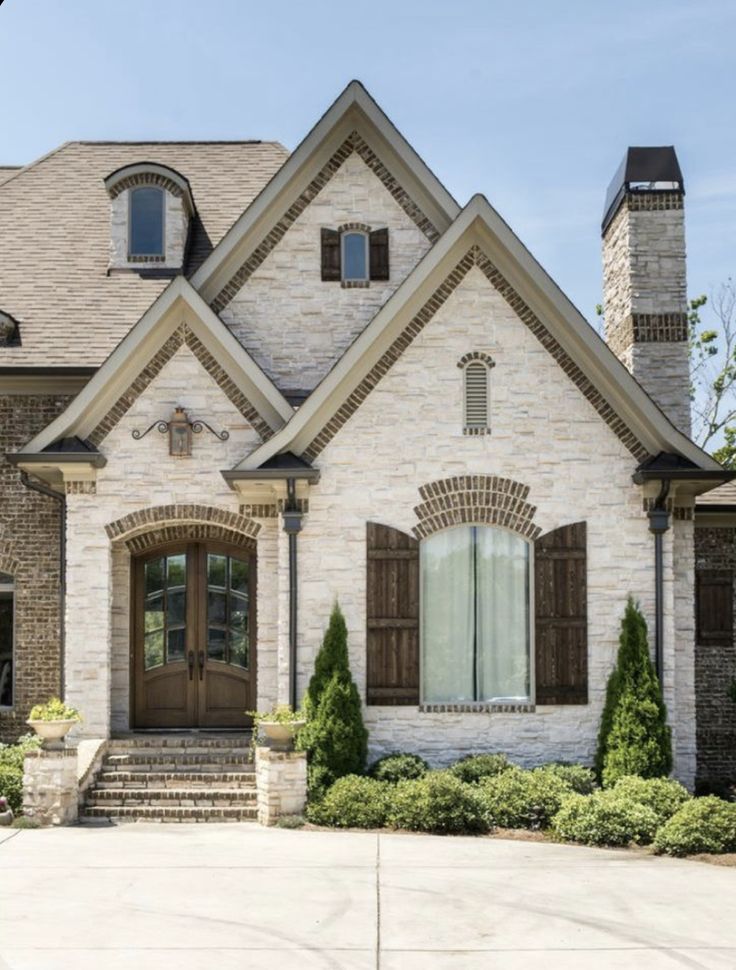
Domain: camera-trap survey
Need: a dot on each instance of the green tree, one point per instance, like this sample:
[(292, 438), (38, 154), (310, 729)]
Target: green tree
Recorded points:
[(332, 657), (634, 738), (713, 373)]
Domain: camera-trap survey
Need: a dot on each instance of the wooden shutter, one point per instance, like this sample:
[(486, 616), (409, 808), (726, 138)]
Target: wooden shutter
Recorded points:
[(330, 255), (392, 616), (379, 254), (714, 607), (561, 623)]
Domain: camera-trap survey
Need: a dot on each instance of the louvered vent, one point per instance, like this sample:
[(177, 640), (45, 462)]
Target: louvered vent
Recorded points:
[(476, 396)]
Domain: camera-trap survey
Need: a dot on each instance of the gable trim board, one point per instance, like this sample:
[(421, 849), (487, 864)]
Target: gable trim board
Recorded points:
[(354, 122), (124, 375), (479, 236)]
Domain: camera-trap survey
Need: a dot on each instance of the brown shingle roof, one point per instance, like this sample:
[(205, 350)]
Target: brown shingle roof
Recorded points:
[(55, 240), (723, 495), (7, 170)]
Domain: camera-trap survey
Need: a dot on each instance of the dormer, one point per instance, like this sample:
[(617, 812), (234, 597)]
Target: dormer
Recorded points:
[(9, 330), (151, 206)]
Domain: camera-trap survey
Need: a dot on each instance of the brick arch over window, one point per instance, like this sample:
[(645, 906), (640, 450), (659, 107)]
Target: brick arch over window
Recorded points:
[(475, 498), (188, 532), (181, 521), (476, 355)]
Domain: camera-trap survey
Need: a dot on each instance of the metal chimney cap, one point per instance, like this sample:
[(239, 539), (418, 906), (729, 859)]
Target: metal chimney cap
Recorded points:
[(643, 170)]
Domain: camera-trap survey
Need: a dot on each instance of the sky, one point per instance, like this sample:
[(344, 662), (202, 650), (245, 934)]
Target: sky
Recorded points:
[(531, 102)]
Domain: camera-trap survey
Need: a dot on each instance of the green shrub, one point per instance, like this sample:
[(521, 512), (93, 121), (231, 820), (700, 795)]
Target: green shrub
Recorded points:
[(474, 767), (634, 738), (352, 802), (664, 796), (12, 755), (438, 802), (290, 821), (702, 825), (335, 737), (54, 710), (398, 767), (578, 777), (604, 818), (11, 786), (518, 799)]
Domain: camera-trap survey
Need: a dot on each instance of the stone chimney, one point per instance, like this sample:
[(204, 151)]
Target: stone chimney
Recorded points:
[(644, 278)]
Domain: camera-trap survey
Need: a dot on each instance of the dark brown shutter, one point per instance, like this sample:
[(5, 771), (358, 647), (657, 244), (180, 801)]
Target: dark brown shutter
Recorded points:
[(330, 254), (379, 254), (561, 623), (392, 616), (714, 607)]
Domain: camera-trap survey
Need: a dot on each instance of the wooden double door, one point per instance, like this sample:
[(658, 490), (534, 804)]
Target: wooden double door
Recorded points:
[(194, 636)]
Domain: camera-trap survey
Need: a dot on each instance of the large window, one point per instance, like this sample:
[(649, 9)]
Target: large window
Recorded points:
[(147, 222), (475, 616), (6, 640)]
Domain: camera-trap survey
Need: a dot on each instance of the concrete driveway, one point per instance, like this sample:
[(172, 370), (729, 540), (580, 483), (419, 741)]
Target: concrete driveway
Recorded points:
[(198, 897)]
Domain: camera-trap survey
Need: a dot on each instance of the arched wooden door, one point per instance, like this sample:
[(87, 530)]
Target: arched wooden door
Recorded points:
[(194, 636)]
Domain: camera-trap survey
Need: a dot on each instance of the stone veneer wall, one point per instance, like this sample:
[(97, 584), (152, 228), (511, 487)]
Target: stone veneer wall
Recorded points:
[(141, 475), (29, 549), (295, 325), (645, 298), (715, 668), (408, 432)]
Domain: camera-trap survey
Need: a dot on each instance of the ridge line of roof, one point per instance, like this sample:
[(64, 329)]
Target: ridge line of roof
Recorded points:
[(176, 141)]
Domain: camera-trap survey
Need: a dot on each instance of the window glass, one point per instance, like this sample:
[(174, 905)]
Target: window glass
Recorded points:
[(147, 222), (354, 256), (475, 616), (6, 640)]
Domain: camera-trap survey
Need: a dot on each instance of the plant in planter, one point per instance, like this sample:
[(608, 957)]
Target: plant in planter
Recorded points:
[(280, 725), (52, 721)]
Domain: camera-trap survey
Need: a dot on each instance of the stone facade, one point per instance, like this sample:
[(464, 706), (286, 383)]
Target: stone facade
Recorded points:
[(645, 297), (50, 787), (29, 551), (715, 671), (297, 332), (281, 780)]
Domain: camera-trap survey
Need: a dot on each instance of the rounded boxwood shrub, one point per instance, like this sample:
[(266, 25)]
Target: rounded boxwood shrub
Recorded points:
[(578, 777), (352, 802), (438, 802), (604, 818), (664, 796), (702, 825), (11, 786), (473, 767), (398, 767), (518, 799)]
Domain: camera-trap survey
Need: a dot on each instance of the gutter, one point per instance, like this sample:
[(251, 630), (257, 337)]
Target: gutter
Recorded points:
[(292, 518), (61, 499)]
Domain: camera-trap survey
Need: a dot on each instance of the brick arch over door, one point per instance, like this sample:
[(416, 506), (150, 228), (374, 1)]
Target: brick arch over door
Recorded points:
[(181, 521), (464, 499)]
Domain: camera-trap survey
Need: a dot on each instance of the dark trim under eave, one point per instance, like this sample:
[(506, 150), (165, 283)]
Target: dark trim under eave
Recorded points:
[(13, 371), (643, 475), (56, 458), (272, 474)]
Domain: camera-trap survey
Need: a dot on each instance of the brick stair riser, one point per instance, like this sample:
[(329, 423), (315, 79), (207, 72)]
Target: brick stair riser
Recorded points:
[(220, 796), (172, 762), (146, 780), (171, 814)]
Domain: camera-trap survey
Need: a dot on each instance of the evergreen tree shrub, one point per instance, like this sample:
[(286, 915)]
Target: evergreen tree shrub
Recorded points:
[(474, 767), (578, 777), (332, 657), (337, 738), (634, 738), (664, 796), (438, 802), (354, 801), (518, 799), (398, 767), (702, 825), (604, 818)]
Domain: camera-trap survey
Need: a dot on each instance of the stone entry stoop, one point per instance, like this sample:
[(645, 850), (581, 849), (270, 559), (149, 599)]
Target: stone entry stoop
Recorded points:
[(175, 778)]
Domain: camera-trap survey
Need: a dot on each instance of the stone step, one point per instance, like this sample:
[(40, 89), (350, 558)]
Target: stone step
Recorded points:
[(194, 798), (171, 813), (167, 761), (175, 779)]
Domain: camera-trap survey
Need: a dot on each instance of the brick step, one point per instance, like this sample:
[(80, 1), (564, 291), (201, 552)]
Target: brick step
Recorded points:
[(168, 761), (171, 813), (195, 798), (159, 741), (175, 779)]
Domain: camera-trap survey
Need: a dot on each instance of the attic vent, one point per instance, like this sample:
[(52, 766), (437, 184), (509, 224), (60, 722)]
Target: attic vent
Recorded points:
[(476, 368)]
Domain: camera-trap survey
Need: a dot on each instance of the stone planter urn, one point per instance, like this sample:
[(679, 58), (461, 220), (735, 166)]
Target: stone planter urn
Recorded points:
[(52, 733), (280, 735)]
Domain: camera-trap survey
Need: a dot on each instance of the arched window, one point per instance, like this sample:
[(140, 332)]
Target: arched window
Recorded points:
[(7, 591), (475, 596), (146, 234), (355, 256)]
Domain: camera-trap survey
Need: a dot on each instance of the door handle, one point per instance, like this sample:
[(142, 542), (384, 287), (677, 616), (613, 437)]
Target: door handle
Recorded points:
[(201, 664), (190, 663)]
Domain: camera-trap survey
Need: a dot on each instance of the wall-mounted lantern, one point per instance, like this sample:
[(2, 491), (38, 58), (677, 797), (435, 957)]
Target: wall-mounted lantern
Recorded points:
[(179, 430)]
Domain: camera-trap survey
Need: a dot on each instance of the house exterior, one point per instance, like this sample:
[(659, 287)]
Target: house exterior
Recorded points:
[(237, 385)]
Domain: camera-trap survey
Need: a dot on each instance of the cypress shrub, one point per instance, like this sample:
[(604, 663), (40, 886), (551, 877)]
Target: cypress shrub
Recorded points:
[(332, 656), (634, 738)]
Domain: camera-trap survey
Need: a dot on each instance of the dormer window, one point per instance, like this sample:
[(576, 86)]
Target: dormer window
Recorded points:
[(150, 209), (146, 222), (354, 255)]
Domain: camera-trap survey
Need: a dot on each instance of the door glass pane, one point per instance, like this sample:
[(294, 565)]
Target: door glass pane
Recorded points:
[(154, 649), (164, 610), (238, 648), (176, 644), (217, 607), (154, 612), (216, 644), (176, 607)]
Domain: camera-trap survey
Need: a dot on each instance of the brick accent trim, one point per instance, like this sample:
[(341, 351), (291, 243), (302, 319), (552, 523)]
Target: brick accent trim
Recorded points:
[(272, 510), (145, 178), (643, 328), (477, 708), (180, 337), (80, 488), (476, 355), (475, 257), (189, 531), (354, 226), (353, 143), (487, 499), (8, 564), (653, 201), (158, 516)]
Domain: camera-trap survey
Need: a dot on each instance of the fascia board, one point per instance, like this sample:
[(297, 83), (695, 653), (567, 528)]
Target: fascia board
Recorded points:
[(353, 108)]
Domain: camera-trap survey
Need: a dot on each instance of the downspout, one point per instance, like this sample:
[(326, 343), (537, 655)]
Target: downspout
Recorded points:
[(37, 486), (292, 520), (659, 523)]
